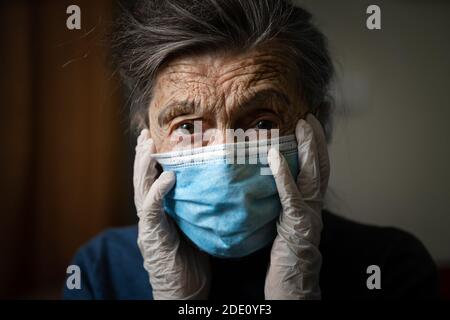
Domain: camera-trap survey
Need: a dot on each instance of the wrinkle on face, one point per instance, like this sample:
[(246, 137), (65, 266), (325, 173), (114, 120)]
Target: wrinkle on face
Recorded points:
[(225, 91)]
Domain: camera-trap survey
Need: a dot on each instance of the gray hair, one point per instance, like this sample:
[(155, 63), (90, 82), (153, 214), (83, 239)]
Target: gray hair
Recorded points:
[(150, 32)]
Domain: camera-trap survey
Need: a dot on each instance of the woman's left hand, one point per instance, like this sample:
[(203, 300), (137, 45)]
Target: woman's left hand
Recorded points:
[(295, 260)]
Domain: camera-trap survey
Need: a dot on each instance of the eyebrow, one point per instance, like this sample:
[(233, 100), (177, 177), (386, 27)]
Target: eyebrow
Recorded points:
[(176, 109), (186, 107), (265, 95)]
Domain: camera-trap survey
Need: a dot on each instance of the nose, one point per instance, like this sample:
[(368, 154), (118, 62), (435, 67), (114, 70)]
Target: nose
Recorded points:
[(229, 135), (214, 136)]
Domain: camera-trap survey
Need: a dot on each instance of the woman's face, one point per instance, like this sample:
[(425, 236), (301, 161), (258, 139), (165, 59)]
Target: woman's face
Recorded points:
[(254, 90)]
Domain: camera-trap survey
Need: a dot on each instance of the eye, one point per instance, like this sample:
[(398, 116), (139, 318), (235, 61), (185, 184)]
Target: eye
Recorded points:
[(265, 125), (186, 128)]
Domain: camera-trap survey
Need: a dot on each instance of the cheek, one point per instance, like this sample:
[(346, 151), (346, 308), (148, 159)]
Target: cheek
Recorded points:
[(165, 145), (156, 132), (160, 137), (164, 142), (290, 120)]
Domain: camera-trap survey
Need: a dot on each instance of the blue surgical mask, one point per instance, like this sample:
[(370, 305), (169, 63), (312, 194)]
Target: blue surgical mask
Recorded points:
[(225, 199)]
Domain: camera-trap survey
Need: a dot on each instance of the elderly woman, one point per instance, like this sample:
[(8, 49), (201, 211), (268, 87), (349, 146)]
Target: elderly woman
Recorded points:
[(208, 228)]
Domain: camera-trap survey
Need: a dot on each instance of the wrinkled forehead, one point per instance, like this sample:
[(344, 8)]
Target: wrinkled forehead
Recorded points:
[(224, 74)]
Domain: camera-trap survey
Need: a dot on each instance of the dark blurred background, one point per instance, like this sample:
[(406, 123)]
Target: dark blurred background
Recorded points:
[(67, 150), (66, 153)]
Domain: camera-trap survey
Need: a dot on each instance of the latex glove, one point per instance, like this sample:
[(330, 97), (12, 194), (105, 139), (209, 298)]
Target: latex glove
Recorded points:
[(295, 260), (176, 269)]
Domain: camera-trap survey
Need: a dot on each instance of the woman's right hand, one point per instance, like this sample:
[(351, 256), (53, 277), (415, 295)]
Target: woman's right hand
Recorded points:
[(176, 269)]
